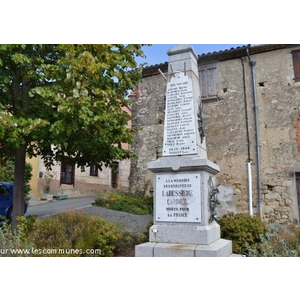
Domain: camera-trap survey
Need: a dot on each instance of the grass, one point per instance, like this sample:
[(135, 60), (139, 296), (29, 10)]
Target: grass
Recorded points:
[(135, 204)]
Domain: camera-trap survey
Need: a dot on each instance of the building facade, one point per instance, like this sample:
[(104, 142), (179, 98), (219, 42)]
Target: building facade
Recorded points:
[(65, 178), (74, 182), (251, 111)]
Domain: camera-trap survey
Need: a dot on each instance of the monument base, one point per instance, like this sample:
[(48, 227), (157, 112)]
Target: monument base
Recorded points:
[(184, 233), (219, 248)]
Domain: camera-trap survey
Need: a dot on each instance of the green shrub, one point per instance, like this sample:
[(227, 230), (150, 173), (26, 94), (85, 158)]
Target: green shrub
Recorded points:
[(278, 241), (135, 204), (91, 232), (243, 230), (126, 245), (7, 170), (74, 234), (15, 243), (49, 233), (7, 174)]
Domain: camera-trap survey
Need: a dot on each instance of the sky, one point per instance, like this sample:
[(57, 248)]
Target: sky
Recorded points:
[(157, 53)]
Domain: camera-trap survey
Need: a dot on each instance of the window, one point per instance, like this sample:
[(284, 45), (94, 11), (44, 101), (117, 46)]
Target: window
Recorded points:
[(67, 173), (207, 77), (296, 64), (93, 170), (115, 175)]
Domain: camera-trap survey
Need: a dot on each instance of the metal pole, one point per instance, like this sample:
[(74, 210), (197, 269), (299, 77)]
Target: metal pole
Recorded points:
[(250, 187), (252, 64)]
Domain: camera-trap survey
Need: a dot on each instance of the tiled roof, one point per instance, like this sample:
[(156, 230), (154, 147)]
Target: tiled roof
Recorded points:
[(222, 51), (222, 55)]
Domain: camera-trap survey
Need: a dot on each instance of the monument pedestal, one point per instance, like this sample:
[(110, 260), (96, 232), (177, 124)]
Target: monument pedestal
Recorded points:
[(184, 192), (182, 211)]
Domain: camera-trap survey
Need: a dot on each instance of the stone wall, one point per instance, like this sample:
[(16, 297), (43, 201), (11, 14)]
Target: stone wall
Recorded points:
[(148, 115), (279, 107), (230, 132)]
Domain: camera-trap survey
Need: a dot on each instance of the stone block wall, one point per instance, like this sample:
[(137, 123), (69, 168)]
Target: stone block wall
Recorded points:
[(148, 115)]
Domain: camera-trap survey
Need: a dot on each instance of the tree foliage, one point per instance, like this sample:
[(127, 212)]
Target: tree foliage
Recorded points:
[(69, 96), (61, 101)]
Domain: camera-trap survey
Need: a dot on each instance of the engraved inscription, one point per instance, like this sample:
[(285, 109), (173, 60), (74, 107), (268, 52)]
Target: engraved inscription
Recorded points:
[(178, 197), (179, 130)]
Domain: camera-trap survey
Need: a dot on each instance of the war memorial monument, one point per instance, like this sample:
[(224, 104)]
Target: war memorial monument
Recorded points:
[(185, 196)]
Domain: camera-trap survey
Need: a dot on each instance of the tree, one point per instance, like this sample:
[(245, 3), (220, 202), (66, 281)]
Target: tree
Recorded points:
[(65, 102)]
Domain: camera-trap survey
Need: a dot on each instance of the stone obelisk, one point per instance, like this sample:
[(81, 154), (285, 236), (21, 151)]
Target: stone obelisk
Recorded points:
[(184, 193)]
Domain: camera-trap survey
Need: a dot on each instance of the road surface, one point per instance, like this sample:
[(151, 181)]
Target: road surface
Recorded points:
[(50, 208)]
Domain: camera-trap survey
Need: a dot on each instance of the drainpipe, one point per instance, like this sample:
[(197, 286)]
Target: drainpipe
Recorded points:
[(249, 173), (252, 65)]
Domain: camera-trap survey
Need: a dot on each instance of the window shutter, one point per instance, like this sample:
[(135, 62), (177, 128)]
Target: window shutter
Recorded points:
[(207, 78), (203, 83), (211, 71), (296, 64)]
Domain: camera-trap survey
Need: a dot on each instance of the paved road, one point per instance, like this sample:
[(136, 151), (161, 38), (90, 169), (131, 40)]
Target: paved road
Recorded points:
[(127, 221), (42, 208)]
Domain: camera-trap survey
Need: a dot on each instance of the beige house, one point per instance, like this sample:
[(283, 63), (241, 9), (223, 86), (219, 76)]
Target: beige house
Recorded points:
[(66, 179), (251, 110)]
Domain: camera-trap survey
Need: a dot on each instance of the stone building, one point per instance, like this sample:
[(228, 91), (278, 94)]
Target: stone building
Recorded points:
[(251, 110)]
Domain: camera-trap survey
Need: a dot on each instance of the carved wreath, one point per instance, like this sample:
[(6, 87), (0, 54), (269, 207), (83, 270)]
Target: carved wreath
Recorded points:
[(213, 199), (201, 123)]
